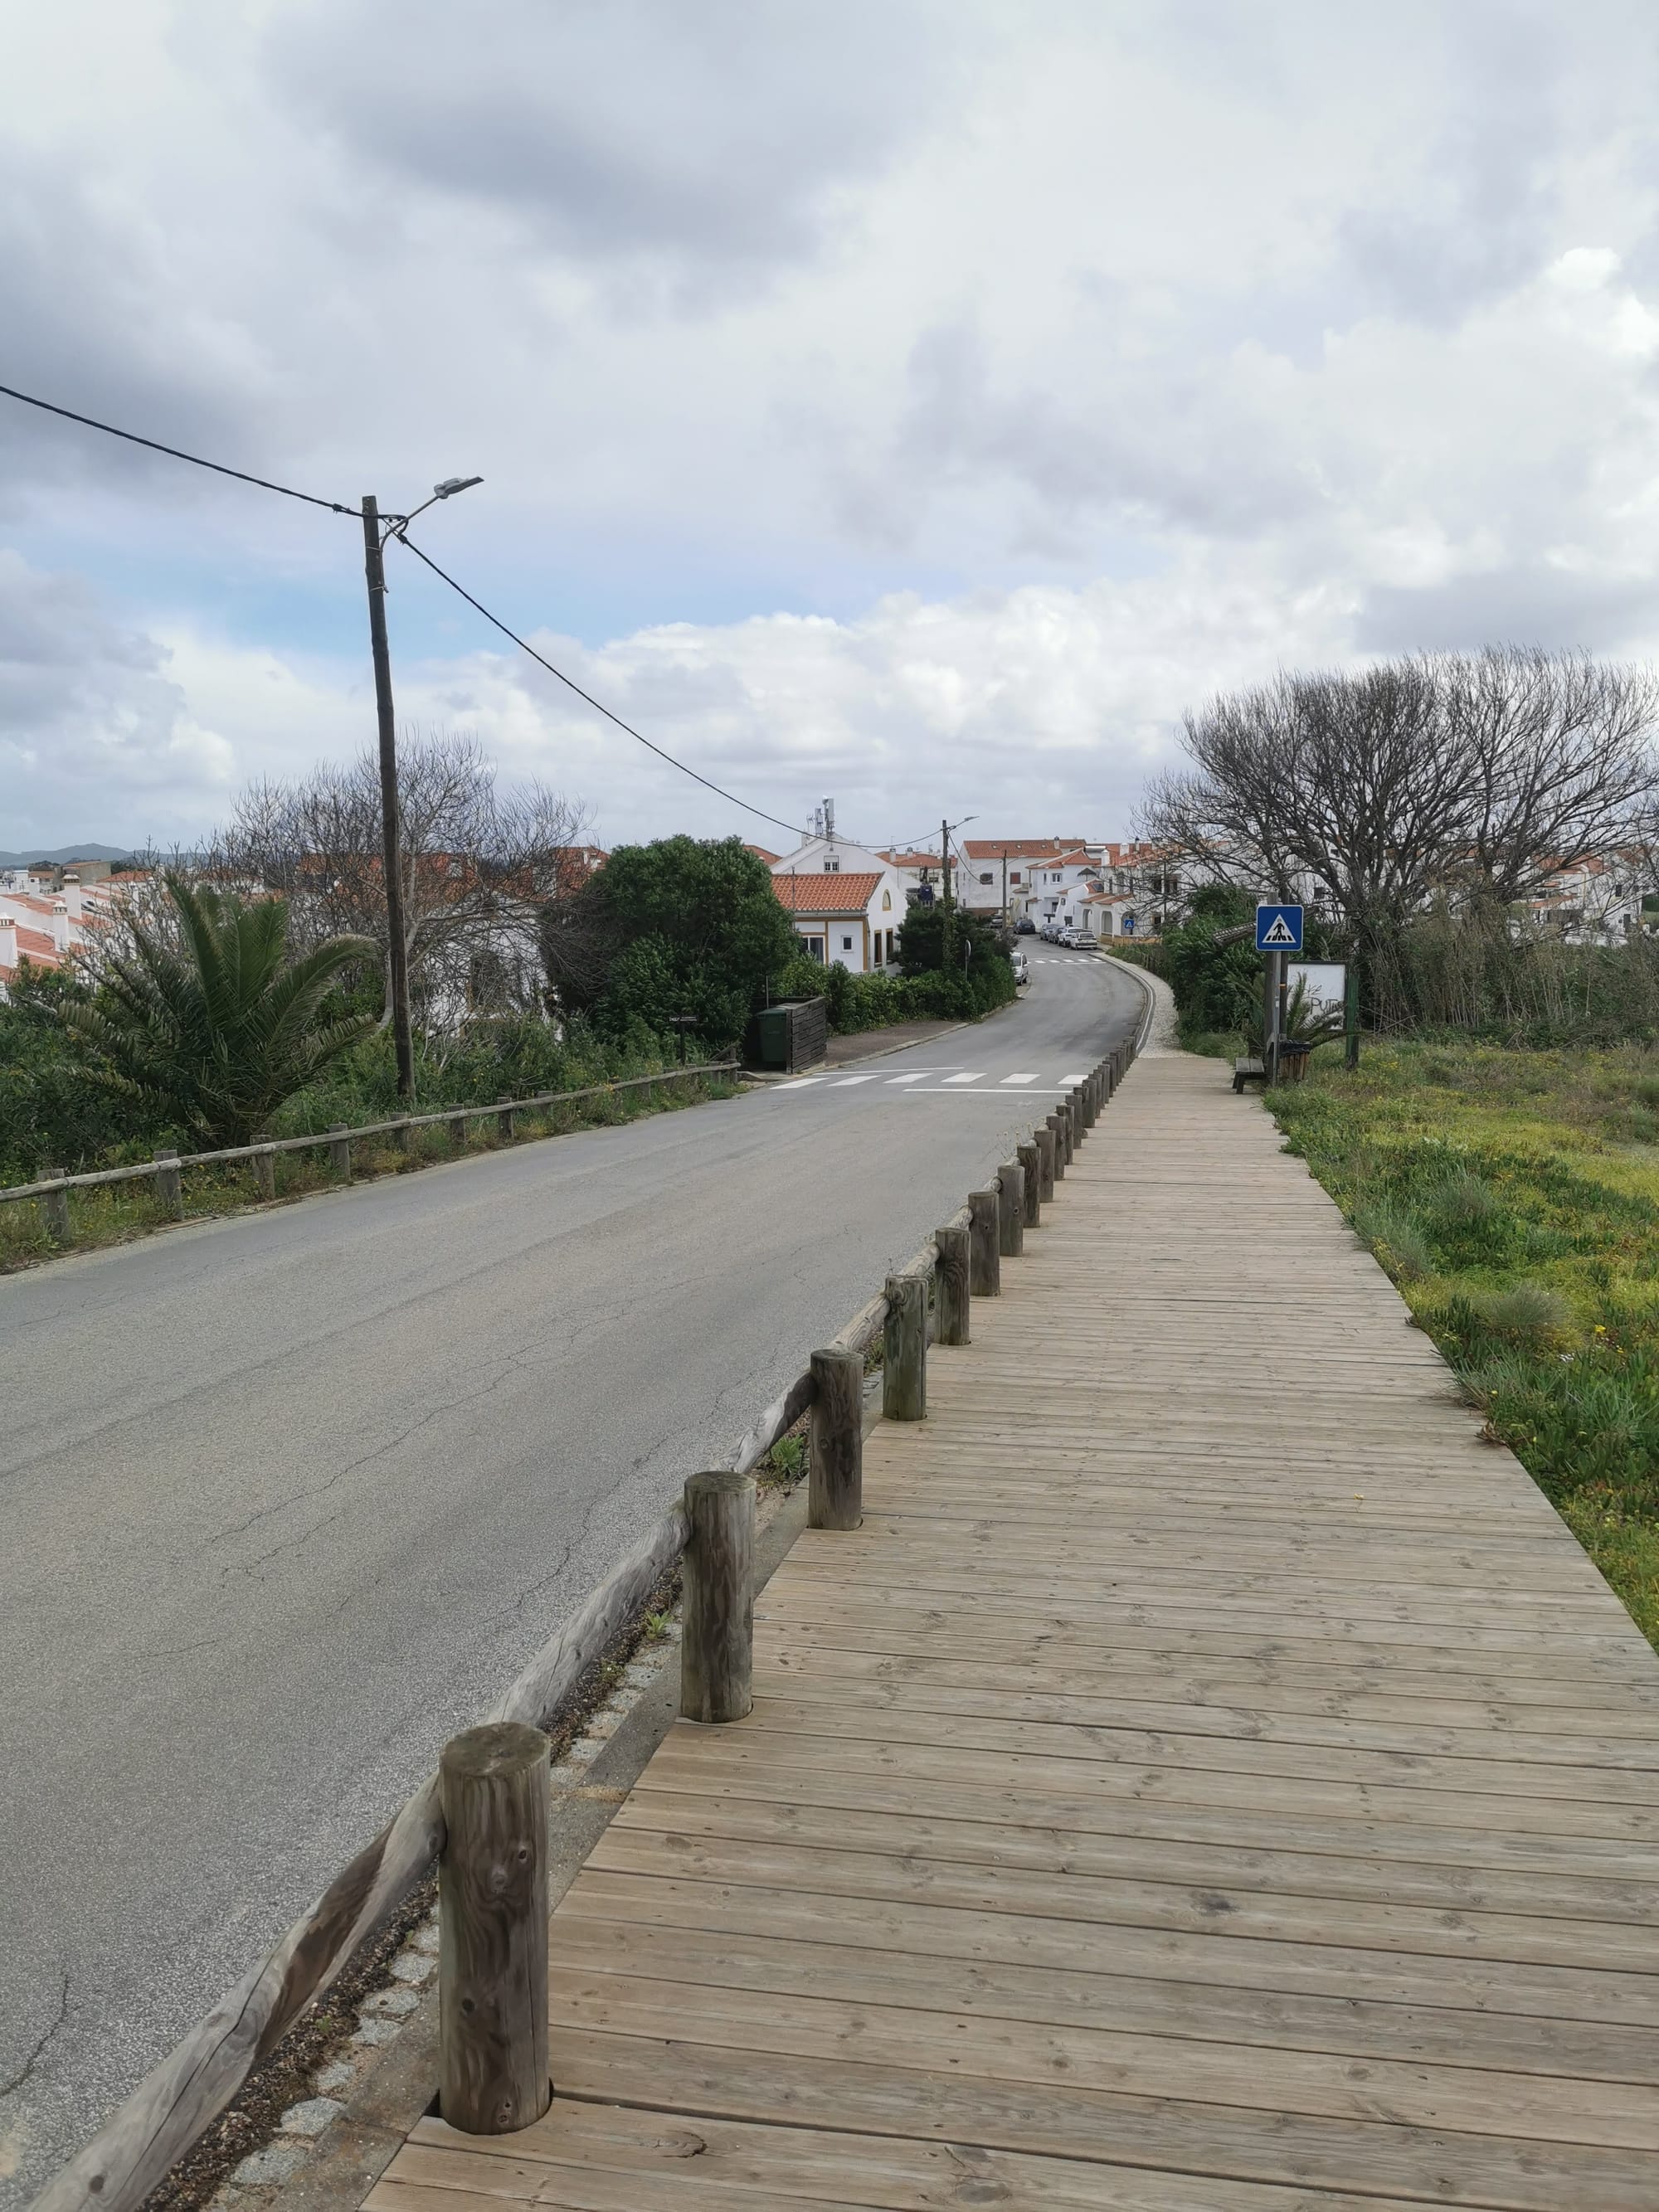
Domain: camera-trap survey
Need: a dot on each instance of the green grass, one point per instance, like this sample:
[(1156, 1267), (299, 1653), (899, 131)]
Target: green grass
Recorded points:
[(114, 1213), (1514, 1198)]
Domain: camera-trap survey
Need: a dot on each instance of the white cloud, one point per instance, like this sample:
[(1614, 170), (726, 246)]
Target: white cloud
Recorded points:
[(917, 408)]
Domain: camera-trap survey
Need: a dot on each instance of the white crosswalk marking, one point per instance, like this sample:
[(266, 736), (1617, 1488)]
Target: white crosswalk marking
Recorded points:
[(922, 1078), (1019, 1078), (966, 1079), (1068, 1080), (848, 1081), (800, 1083)]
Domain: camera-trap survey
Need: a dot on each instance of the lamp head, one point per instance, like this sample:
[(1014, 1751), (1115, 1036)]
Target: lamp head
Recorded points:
[(451, 485)]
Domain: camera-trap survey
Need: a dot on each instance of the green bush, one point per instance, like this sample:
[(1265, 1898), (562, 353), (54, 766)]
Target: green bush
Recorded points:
[(51, 1116), (924, 991), (1398, 1240), (684, 926), (516, 1056)]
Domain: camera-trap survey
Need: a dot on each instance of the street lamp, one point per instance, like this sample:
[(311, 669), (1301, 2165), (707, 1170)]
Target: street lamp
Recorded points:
[(374, 542)]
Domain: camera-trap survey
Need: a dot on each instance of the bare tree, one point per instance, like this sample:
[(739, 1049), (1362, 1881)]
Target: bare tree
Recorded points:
[(1557, 753), (1468, 779), (479, 864), (1328, 785)]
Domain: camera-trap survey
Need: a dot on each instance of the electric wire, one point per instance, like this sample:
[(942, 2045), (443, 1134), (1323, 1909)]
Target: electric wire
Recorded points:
[(599, 707), (91, 422)]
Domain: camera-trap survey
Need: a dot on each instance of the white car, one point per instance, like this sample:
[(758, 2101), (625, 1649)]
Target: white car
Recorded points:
[(1079, 940), (1021, 965)]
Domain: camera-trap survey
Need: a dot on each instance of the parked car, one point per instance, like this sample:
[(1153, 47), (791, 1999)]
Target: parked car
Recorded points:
[(1021, 966), (1025, 927), (1049, 932), (1079, 940)]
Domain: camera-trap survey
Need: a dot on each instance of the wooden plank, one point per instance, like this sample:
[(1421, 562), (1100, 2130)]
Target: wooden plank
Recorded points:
[(1313, 2085), (796, 1814), (958, 1688), (1165, 1781), (809, 1965), (1227, 2147), (647, 2149), (1129, 1815), (748, 1774), (1604, 1787), (1104, 1901)]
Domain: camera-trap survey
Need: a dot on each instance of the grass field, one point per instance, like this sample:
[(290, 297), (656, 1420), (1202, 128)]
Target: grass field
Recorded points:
[(1514, 1198)]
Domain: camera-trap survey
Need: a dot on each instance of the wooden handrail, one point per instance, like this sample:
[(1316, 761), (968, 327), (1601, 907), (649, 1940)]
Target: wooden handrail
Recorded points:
[(181, 2097), (272, 1146)]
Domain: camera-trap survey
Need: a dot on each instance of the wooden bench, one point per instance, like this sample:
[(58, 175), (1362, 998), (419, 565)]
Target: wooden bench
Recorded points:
[(1248, 1071)]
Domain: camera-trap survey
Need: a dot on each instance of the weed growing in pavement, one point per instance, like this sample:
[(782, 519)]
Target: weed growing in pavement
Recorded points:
[(785, 1464)]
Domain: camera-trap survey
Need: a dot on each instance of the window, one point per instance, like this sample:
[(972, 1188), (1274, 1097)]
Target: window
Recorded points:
[(815, 950), (846, 945), (887, 902), (985, 879), (832, 867), (1014, 876)]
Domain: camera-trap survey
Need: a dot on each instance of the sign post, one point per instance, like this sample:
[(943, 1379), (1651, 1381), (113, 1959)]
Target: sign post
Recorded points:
[(1278, 934)]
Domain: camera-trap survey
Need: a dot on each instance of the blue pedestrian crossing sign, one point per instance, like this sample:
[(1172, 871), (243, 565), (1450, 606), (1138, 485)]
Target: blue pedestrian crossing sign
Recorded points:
[(1278, 929)]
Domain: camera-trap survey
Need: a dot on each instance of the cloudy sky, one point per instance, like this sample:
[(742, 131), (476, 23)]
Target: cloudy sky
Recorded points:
[(917, 401)]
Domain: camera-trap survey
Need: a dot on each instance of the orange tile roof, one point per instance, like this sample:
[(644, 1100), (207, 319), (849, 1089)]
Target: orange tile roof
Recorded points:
[(913, 859), (993, 848), (760, 853), (34, 944), (826, 894)]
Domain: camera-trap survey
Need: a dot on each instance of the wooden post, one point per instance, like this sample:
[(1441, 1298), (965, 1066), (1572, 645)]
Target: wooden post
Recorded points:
[(504, 1121), (492, 1929), (1011, 1210), (54, 1207), (1090, 1101), (1057, 1131), (953, 1293), (717, 1649), (904, 1350), (835, 1476), (458, 1132), (403, 1136), (1044, 1141), (1079, 1104), (1033, 1185), (169, 1183), (339, 1151), (985, 1264), (1067, 1133), (264, 1167)]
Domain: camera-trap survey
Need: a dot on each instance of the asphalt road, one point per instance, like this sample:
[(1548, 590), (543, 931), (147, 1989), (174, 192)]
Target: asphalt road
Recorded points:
[(289, 1499)]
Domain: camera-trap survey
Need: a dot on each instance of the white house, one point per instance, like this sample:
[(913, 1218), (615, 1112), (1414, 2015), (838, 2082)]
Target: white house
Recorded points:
[(47, 927), (913, 870), (1029, 868), (851, 916)]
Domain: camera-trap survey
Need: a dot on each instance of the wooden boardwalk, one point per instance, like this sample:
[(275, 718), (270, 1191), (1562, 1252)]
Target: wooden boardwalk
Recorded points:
[(1212, 1777)]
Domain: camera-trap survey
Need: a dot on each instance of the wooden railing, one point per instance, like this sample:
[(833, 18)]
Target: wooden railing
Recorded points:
[(51, 1191), (486, 1808)]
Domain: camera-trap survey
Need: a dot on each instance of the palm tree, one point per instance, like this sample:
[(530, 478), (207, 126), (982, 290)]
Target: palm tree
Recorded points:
[(219, 1032)]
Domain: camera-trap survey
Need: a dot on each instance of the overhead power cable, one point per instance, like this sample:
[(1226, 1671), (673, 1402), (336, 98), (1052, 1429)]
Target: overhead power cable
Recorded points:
[(91, 422), (597, 706)]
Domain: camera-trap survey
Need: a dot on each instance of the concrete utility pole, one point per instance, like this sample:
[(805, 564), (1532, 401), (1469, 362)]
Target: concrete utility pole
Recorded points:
[(390, 820)]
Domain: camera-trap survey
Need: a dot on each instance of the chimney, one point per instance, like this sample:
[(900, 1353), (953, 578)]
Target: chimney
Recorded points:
[(60, 924), (73, 898), (7, 941)]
